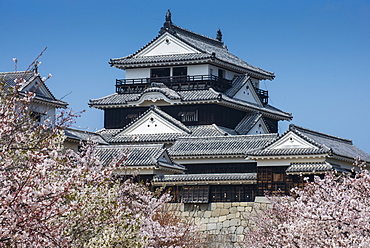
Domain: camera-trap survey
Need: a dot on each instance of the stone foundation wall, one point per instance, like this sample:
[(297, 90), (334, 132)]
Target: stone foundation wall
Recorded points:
[(224, 222)]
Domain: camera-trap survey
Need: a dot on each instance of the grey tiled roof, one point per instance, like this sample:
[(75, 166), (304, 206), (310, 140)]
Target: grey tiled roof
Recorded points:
[(162, 88), (311, 168), (11, 79), (210, 130), (338, 146), (131, 59), (134, 155), (110, 135), (209, 49), (289, 151), (209, 45), (238, 82), (236, 145), (191, 96), (245, 125), (80, 135), (144, 138), (207, 177), (324, 144)]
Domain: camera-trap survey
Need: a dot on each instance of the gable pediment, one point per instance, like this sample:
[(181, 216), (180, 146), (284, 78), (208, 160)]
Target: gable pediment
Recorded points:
[(151, 123), (165, 45), (38, 87), (259, 128), (248, 93), (165, 158), (291, 141)]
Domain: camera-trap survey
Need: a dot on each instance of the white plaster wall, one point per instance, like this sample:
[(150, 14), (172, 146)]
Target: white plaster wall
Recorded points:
[(167, 44), (245, 94), (198, 69), (257, 129), (48, 110), (137, 73), (153, 125)]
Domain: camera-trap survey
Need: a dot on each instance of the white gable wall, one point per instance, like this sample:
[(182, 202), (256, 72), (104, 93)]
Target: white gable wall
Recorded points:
[(167, 44), (258, 128), (246, 94), (291, 140), (152, 124)]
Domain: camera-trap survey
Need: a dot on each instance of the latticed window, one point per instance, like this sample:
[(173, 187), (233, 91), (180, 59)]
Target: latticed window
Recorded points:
[(272, 180), (232, 193), (189, 116), (195, 194)]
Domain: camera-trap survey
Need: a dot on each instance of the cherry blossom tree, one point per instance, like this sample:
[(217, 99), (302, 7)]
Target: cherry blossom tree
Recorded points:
[(51, 197), (329, 212)]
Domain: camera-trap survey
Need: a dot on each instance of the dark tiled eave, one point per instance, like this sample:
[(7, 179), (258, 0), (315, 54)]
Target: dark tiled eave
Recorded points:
[(219, 178), (312, 168)]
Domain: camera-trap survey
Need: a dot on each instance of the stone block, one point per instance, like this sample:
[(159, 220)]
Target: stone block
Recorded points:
[(240, 230), (213, 219), (215, 212), (240, 209), (234, 222), (248, 209), (213, 205), (219, 226), (239, 238), (231, 229), (233, 210), (230, 216), (226, 223), (211, 226), (236, 204), (222, 218), (227, 205), (224, 211), (204, 220), (207, 214), (203, 227), (243, 204), (237, 214)]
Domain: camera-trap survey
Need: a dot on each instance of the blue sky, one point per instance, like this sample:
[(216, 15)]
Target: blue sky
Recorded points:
[(319, 50)]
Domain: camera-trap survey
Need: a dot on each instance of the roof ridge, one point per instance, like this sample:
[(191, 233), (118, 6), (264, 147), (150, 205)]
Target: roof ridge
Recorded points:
[(135, 145), (229, 136), (199, 35), (324, 135), (15, 72)]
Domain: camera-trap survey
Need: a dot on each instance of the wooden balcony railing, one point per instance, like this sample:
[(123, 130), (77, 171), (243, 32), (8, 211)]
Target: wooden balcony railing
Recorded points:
[(137, 85), (263, 95)]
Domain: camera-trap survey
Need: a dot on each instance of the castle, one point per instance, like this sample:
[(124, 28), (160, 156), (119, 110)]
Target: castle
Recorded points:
[(192, 118)]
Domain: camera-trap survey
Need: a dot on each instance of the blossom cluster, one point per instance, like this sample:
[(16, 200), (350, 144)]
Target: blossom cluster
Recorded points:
[(52, 197), (333, 211)]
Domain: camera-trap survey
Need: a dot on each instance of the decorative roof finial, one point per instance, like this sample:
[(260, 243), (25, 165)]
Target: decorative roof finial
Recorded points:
[(219, 35), (168, 16), (35, 67), (167, 26)]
